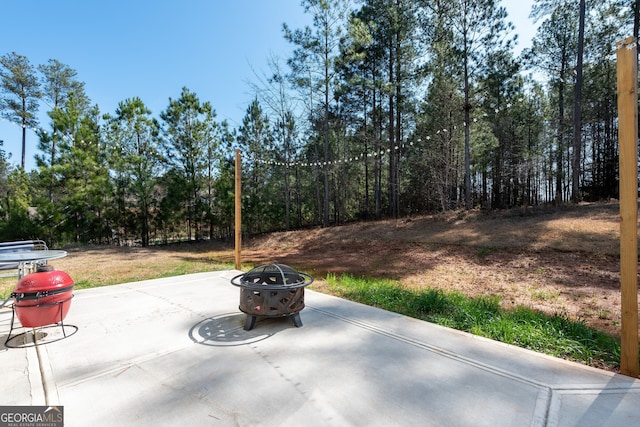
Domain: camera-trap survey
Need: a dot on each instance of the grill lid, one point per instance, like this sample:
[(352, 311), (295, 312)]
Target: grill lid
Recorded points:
[(272, 277), (44, 281)]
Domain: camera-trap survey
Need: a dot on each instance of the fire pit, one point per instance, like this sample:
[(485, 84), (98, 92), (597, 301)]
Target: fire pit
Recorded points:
[(272, 290)]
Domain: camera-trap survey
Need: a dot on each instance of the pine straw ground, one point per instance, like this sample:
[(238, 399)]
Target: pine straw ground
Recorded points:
[(558, 260)]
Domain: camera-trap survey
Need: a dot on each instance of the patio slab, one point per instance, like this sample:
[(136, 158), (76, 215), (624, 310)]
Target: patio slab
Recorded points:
[(173, 350)]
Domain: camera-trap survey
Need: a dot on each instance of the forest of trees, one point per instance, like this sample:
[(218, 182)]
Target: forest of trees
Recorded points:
[(386, 108)]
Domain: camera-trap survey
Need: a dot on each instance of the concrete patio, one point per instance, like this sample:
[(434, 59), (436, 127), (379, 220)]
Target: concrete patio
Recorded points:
[(173, 351)]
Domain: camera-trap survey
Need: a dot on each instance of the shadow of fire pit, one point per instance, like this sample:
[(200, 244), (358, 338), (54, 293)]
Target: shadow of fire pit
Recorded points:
[(226, 330)]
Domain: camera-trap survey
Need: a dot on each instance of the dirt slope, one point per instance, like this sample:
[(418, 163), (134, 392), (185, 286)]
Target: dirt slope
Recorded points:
[(559, 260)]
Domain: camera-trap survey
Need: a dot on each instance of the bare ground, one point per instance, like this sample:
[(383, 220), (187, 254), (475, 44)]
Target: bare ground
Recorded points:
[(557, 260)]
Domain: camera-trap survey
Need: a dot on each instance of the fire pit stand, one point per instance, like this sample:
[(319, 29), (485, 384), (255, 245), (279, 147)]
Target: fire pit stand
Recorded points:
[(272, 290)]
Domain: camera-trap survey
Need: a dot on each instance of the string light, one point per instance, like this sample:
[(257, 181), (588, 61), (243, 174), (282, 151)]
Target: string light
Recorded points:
[(359, 157), (23, 126), (376, 153)]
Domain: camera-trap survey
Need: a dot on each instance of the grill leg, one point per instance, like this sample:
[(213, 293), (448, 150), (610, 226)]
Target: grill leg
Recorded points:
[(249, 322), (296, 320), (13, 316)]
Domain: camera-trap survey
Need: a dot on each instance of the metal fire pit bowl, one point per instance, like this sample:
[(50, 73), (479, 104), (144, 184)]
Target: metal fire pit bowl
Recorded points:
[(272, 290)]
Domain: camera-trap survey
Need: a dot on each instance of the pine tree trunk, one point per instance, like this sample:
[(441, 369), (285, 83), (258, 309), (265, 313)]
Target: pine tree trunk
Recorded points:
[(577, 112)]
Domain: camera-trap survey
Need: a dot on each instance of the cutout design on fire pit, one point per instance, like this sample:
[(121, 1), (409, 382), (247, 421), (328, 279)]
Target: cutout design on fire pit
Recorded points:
[(272, 290)]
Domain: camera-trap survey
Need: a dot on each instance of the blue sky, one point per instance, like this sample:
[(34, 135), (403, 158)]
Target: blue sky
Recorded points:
[(152, 48)]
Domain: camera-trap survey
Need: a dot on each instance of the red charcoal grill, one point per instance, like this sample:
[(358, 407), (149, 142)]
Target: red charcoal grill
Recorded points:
[(42, 298), (272, 290)]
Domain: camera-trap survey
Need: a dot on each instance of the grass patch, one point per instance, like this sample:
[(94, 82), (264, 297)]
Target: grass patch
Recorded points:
[(555, 335), (545, 294), (90, 277), (170, 269), (6, 287)]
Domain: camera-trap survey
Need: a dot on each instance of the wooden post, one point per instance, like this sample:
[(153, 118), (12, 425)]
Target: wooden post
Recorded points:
[(238, 213), (628, 151)]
